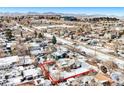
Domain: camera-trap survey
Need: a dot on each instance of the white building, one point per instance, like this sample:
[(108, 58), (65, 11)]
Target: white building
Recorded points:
[(31, 73), (8, 61)]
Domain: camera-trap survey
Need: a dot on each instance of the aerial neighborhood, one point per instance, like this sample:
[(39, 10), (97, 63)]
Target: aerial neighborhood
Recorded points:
[(49, 49)]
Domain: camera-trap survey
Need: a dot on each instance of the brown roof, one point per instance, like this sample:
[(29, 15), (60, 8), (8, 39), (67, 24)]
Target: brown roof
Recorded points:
[(102, 77)]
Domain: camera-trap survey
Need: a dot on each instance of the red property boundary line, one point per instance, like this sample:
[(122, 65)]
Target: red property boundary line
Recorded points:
[(41, 65), (46, 72)]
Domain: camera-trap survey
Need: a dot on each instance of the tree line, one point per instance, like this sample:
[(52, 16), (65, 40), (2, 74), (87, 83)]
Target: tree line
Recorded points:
[(96, 19)]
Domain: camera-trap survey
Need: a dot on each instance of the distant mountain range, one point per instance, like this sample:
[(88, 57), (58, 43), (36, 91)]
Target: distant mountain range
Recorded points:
[(62, 14)]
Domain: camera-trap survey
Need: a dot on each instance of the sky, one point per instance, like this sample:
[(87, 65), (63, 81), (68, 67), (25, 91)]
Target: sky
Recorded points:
[(118, 11)]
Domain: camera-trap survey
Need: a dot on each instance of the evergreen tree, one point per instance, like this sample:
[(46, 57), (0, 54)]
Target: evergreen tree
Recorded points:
[(40, 35), (54, 40)]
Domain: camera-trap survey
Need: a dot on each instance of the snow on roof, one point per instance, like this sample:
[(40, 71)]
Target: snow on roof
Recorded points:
[(58, 53), (20, 68), (9, 60), (66, 61), (25, 60), (15, 80), (33, 72)]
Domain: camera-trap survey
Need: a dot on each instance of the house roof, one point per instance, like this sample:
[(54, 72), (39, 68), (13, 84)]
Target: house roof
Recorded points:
[(102, 77), (32, 72), (25, 60), (8, 60)]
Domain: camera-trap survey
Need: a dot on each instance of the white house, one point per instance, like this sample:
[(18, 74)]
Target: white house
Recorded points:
[(8, 61)]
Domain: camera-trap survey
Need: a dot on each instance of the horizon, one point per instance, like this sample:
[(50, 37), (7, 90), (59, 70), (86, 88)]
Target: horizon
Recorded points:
[(116, 11)]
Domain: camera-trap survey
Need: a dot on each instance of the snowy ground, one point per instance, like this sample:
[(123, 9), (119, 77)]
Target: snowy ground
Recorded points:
[(54, 26), (84, 67), (101, 56)]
